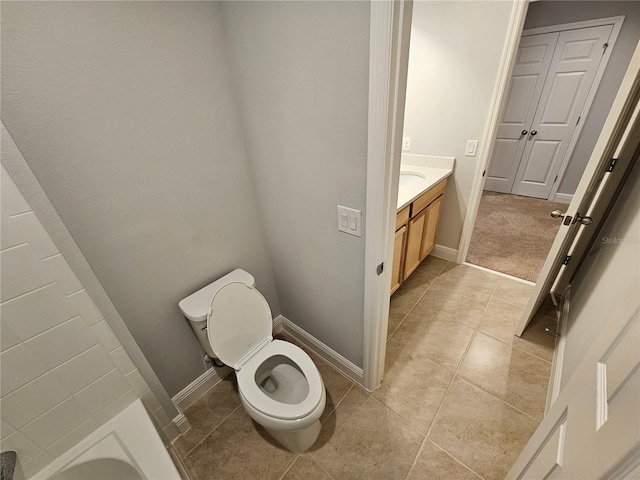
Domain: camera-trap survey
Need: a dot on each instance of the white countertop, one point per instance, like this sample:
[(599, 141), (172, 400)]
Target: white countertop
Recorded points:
[(433, 169)]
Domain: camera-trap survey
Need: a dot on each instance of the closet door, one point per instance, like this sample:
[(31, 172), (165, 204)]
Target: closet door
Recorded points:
[(573, 68), (525, 86)]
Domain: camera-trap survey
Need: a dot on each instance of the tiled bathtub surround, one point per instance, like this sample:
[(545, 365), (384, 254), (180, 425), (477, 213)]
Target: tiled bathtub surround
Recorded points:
[(460, 398), (63, 370)]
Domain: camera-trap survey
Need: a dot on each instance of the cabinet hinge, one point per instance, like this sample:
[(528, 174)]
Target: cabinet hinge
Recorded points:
[(380, 268), (566, 259), (604, 47), (612, 165), (578, 121)]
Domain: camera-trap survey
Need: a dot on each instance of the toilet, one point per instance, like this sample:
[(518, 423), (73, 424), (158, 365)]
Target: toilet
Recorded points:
[(280, 386)]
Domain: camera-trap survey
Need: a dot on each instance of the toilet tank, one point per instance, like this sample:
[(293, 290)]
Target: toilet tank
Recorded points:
[(196, 306)]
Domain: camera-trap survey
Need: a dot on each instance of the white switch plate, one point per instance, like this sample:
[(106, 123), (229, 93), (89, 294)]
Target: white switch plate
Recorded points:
[(350, 221), (406, 144), (472, 148)]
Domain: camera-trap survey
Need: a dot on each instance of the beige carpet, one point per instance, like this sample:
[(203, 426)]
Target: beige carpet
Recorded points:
[(513, 234)]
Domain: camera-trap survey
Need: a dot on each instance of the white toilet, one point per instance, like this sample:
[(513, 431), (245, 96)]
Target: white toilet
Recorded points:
[(280, 387)]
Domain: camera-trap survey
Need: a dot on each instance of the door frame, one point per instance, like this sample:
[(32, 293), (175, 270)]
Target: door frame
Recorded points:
[(497, 105), (390, 28)]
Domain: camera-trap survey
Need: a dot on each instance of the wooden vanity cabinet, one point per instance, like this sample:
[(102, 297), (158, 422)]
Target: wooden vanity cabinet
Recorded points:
[(399, 248), (416, 231)]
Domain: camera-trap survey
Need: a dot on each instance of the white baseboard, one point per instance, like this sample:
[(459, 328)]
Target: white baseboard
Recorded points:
[(446, 253), (181, 423), (329, 355), (562, 198), (189, 394)]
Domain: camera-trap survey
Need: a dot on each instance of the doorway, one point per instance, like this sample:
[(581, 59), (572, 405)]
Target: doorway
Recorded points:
[(556, 72)]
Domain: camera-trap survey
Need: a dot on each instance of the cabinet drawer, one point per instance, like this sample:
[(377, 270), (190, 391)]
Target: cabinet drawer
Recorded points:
[(426, 198), (402, 217)]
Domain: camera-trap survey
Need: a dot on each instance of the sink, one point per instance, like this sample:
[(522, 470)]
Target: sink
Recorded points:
[(407, 178)]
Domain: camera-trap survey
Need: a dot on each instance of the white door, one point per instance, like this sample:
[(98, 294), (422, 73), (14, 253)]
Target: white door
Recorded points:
[(553, 75), (523, 94), (573, 68), (620, 137), (592, 430)]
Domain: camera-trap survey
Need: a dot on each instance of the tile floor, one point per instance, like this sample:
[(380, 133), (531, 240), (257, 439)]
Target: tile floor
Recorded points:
[(460, 398)]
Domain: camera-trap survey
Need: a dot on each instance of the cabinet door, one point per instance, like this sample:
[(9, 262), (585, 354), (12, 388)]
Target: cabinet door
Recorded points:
[(398, 258), (430, 229), (414, 242)]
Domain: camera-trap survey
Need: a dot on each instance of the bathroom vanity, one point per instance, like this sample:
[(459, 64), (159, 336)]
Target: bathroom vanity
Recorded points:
[(423, 180)]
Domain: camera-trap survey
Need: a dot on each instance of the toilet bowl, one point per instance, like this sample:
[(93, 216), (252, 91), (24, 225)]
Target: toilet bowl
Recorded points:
[(280, 386)]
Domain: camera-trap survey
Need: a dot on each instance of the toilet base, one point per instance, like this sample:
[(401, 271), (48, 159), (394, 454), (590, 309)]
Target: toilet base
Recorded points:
[(297, 441)]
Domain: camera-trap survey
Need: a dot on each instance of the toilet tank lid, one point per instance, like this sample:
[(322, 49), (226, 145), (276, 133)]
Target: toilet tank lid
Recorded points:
[(196, 306)]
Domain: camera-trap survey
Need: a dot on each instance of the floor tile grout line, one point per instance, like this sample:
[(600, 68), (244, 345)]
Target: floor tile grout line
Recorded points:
[(284, 474), (335, 407), (321, 467), (498, 398), (455, 458), (397, 414), (213, 430), (516, 347), (416, 302), (464, 354)]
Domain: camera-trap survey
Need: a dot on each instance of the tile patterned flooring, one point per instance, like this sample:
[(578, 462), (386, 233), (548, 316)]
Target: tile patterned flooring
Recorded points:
[(460, 398)]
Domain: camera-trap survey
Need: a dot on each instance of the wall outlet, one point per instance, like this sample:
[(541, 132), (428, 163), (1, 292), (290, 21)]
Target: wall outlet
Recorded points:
[(472, 148), (406, 144), (350, 221)]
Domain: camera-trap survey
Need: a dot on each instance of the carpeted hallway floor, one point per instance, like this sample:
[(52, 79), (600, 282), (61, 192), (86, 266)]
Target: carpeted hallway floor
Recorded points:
[(513, 234)]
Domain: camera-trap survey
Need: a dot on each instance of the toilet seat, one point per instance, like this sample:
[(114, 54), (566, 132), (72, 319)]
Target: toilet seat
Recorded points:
[(239, 323), (265, 404), (239, 327)]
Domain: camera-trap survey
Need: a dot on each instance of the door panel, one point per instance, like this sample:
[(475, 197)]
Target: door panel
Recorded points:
[(525, 86), (571, 73), (503, 153), (562, 100), (590, 431), (545, 152)]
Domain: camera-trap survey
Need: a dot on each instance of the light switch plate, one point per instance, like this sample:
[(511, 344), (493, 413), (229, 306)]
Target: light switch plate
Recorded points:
[(350, 221), (406, 144), (472, 148)]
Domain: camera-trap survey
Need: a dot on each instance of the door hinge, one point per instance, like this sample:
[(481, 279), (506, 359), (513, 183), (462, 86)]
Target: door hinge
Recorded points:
[(578, 121), (566, 259), (604, 47), (555, 179), (484, 173), (612, 165), (380, 268)]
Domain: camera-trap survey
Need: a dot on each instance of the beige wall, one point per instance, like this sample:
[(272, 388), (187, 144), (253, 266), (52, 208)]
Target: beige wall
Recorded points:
[(302, 70), (127, 114), (454, 56)]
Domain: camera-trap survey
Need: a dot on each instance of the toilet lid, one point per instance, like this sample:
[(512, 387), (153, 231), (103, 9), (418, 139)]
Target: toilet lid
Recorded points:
[(239, 321)]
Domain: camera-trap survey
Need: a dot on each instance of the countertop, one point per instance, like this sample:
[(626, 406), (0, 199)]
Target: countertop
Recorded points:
[(434, 169)]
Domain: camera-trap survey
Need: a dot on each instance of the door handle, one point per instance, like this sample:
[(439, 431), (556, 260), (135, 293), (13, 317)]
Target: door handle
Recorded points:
[(559, 214), (524, 132), (583, 220), (534, 133)]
